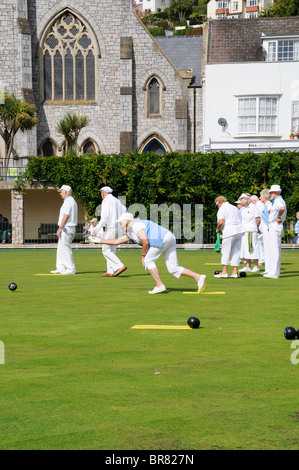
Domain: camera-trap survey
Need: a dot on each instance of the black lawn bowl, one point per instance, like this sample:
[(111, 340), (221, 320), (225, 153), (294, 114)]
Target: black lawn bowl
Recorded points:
[(290, 332), (217, 272), (242, 274), (12, 286), (193, 322)]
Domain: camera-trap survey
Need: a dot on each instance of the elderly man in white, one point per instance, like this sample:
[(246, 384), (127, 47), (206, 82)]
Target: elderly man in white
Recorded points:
[(277, 216), (67, 221), (230, 223), (107, 227)]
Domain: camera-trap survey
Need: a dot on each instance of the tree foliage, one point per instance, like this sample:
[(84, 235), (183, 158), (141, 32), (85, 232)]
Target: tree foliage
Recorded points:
[(15, 115), (169, 178), (180, 8), (282, 8), (70, 127)]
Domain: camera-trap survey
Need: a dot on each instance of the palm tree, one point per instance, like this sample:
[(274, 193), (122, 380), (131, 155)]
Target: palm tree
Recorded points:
[(70, 127), (15, 115)]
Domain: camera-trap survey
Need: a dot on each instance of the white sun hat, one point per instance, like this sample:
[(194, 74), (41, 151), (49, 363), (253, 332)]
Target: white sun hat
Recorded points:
[(275, 188)]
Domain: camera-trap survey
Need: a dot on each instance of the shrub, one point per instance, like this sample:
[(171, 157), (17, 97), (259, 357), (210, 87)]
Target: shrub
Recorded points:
[(170, 178), (156, 31)]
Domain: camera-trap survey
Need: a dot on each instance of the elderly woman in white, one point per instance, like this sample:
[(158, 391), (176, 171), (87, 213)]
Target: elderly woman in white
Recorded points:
[(230, 223), (267, 205), (250, 224), (155, 240)]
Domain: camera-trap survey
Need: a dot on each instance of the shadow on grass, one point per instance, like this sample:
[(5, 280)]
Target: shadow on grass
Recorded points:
[(290, 274)]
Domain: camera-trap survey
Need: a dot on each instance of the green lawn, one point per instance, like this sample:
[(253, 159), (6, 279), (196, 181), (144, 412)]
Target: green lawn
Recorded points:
[(76, 376)]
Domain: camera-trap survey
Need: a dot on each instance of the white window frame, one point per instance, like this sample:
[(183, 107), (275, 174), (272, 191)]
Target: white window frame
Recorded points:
[(276, 54), (235, 6), (222, 4), (295, 116), (252, 3), (252, 14), (251, 121)]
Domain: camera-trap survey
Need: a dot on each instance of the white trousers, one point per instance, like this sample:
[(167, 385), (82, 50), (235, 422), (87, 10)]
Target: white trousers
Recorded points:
[(267, 252), (231, 249), (108, 251), (64, 255), (169, 252), (275, 235), (245, 253)]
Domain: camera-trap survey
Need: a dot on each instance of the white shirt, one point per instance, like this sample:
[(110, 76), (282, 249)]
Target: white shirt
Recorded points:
[(263, 226), (249, 214), (260, 207), (111, 210), (232, 219), (70, 208), (278, 202)]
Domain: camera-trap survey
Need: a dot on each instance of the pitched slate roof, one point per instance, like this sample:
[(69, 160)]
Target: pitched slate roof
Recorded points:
[(239, 40), (184, 52)]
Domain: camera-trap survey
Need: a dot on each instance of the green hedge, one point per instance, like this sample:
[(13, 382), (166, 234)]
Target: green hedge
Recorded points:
[(156, 31), (169, 178), (188, 31)]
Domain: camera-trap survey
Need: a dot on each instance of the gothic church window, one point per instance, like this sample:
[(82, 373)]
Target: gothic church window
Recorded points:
[(48, 149), (156, 144), (154, 97), (89, 147), (69, 64)]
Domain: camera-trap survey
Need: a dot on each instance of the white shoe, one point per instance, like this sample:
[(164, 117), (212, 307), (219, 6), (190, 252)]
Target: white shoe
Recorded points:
[(202, 283), (157, 290), (255, 269), (55, 272), (269, 276), (68, 271), (234, 276), (221, 276), (245, 270)]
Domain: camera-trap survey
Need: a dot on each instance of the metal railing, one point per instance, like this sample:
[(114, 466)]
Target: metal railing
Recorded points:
[(45, 233), (12, 173)]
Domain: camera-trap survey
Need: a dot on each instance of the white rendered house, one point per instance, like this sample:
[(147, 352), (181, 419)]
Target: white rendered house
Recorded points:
[(226, 9), (154, 6), (251, 88)]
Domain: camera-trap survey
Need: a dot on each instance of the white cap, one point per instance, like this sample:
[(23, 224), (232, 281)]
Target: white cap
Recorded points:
[(125, 216), (238, 201), (94, 220), (243, 195), (275, 188), (65, 187), (106, 189)]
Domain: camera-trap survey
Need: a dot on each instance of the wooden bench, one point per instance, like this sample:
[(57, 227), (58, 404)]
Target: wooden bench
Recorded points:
[(47, 233)]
